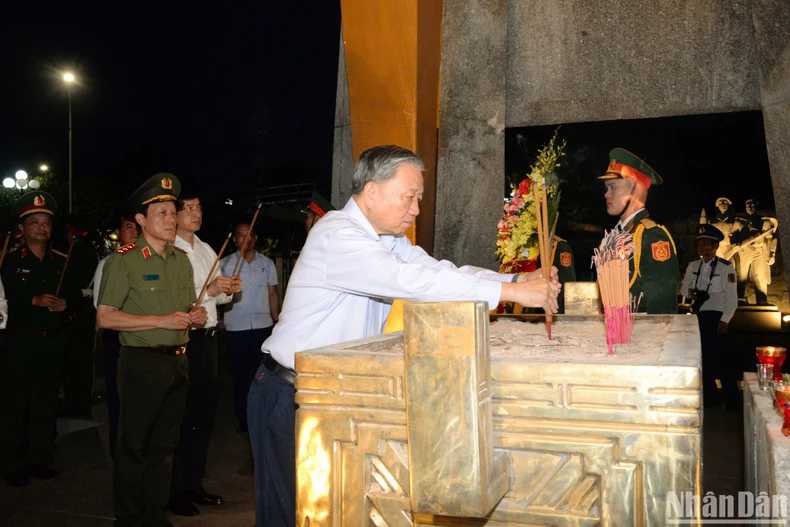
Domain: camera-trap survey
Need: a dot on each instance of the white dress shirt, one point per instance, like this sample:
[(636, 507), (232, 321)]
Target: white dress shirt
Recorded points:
[(250, 309), (3, 306), (723, 285), (97, 280), (623, 223), (202, 257), (346, 277)]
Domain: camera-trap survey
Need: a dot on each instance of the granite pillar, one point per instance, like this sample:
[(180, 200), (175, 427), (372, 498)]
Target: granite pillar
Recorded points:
[(471, 170), (343, 156), (771, 19)]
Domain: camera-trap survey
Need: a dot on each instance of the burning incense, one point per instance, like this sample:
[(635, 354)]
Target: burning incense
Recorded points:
[(611, 263), (544, 247)]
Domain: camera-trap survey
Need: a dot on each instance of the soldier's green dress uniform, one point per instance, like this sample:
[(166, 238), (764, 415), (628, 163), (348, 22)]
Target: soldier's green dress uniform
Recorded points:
[(562, 259), (654, 270), (152, 367), (32, 361)]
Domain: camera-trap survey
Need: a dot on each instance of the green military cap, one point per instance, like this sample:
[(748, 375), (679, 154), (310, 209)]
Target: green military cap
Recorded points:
[(35, 202), (625, 165), (159, 187), (318, 205)]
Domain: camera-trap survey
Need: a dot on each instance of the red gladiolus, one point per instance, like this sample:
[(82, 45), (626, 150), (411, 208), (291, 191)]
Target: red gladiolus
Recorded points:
[(523, 188)]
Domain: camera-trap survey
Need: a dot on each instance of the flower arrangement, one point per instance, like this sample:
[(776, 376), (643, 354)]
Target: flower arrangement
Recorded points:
[(517, 236)]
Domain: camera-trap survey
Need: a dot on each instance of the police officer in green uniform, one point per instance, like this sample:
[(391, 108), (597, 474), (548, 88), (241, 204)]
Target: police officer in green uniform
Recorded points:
[(33, 359), (146, 294), (654, 268)]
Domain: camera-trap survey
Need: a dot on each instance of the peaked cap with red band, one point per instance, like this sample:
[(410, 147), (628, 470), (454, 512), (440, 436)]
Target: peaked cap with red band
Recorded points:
[(35, 202), (319, 205), (625, 165)]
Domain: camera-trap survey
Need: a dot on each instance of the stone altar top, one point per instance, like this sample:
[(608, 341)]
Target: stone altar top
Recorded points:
[(659, 340)]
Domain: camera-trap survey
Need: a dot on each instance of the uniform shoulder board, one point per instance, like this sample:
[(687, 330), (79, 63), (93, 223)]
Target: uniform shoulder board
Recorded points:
[(649, 224), (725, 262), (58, 253), (12, 250), (178, 248), (126, 248)]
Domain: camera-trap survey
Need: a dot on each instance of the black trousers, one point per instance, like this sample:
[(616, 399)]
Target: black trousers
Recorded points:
[(153, 389), (112, 348), (189, 460), (717, 361), (244, 358)]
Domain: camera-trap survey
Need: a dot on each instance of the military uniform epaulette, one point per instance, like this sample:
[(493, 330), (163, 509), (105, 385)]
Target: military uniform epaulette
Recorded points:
[(725, 262), (178, 248), (649, 224), (58, 253), (126, 248)]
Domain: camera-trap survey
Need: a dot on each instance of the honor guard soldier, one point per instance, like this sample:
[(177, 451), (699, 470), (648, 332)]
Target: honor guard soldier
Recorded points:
[(654, 267), (146, 294), (710, 284), (36, 341)]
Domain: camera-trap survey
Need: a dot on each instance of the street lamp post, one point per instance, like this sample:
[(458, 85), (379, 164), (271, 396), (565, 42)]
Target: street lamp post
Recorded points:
[(69, 79)]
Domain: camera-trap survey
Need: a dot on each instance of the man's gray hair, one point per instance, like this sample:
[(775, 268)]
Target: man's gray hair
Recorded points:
[(380, 163)]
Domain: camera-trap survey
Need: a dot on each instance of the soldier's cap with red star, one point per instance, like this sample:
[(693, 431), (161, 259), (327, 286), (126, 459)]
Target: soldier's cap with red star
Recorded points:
[(34, 203)]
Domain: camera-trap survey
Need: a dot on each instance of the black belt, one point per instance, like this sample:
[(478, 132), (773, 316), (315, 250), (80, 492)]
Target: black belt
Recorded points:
[(205, 333), (286, 374), (43, 333), (174, 351)]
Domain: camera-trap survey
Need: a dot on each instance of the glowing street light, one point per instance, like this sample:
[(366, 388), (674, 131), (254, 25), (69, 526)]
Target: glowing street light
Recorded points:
[(9, 182), (43, 168), (69, 79)]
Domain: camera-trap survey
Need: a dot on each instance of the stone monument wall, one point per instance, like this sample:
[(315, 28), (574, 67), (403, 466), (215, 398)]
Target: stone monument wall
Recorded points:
[(527, 63)]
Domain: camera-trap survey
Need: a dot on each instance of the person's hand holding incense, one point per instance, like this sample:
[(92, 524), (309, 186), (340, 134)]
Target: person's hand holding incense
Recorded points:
[(537, 292)]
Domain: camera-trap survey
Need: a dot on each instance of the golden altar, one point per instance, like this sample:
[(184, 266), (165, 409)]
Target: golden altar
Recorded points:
[(458, 421)]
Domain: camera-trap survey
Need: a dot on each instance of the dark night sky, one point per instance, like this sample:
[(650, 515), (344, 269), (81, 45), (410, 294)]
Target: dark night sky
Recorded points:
[(219, 94), (209, 93)]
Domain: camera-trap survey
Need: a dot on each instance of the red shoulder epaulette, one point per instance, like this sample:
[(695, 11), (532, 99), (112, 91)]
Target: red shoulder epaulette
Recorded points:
[(58, 253), (126, 248)]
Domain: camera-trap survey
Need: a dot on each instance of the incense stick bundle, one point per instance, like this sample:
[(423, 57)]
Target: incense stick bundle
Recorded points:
[(611, 263), (542, 220)]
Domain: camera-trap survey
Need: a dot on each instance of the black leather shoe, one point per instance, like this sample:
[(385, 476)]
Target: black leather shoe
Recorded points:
[(201, 497), (18, 479), (181, 506), (40, 472)]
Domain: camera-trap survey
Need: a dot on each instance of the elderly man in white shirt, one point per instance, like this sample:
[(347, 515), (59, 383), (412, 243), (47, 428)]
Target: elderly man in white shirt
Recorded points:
[(354, 263), (189, 459)]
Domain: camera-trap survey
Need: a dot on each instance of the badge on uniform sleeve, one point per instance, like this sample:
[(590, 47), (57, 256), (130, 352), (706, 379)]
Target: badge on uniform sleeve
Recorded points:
[(565, 259), (731, 278), (661, 252), (146, 252)]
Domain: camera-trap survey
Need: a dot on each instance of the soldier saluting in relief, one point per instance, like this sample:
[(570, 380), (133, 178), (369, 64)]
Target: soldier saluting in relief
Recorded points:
[(36, 342), (146, 293)]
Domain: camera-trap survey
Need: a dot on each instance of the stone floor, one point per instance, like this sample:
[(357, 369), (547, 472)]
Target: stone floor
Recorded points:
[(83, 495)]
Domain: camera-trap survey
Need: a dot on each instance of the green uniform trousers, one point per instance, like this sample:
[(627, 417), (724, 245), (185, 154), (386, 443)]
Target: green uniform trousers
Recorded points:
[(153, 391), (31, 367)]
